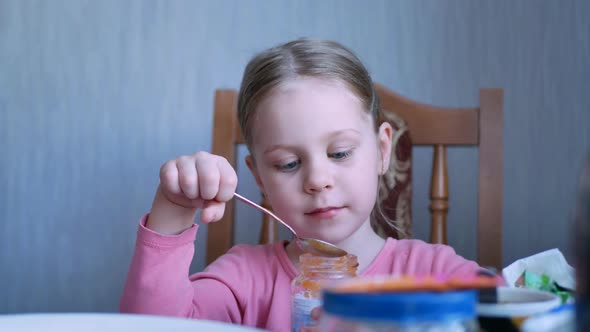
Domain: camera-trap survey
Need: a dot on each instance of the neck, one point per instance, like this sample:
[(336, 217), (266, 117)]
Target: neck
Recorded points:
[(364, 243)]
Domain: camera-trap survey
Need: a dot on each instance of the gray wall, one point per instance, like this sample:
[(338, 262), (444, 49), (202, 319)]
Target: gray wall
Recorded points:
[(96, 95)]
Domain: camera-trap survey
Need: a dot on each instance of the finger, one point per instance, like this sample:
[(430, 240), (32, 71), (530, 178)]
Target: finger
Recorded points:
[(169, 177), (316, 313), (228, 181), (212, 211), (187, 177), (209, 176)]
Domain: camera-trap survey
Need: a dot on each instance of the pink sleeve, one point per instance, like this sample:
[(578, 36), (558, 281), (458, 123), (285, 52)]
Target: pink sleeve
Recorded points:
[(418, 258), (447, 262), (158, 280)]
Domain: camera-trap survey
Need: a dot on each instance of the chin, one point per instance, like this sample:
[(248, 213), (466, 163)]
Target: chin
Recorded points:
[(335, 238)]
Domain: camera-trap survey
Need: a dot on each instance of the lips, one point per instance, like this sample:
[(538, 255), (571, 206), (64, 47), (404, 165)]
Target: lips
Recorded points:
[(325, 212)]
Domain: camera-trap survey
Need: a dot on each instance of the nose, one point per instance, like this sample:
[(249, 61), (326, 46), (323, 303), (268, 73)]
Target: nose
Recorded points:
[(318, 177)]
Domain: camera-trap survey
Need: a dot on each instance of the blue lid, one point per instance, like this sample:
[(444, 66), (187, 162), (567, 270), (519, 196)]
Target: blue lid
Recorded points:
[(404, 307)]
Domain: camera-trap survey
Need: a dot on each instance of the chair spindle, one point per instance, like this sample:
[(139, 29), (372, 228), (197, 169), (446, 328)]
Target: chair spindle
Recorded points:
[(439, 195)]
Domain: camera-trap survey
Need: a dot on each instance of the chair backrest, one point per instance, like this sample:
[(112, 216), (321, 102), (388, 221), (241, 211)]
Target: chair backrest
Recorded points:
[(426, 125), (441, 127)]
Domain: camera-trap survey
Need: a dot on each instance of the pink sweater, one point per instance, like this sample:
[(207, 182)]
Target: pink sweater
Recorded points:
[(250, 285)]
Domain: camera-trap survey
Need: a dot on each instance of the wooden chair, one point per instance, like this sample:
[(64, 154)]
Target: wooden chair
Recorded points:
[(415, 124), (441, 127)]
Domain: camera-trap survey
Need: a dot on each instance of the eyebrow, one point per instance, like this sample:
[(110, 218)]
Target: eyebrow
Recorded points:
[(328, 136)]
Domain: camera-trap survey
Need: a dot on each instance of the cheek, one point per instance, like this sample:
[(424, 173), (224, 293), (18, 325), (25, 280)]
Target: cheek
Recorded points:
[(278, 188), (364, 193), (370, 160), (365, 183), (365, 177)]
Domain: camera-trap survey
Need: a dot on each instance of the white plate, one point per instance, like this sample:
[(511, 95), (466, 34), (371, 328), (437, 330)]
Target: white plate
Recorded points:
[(519, 302), (95, 322)]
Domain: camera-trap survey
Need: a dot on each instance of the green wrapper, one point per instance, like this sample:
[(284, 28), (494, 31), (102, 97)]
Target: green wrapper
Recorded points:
[(545, 283)]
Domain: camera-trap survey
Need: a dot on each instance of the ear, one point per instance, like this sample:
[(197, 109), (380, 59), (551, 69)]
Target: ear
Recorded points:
[(384, 137), (252, 166)]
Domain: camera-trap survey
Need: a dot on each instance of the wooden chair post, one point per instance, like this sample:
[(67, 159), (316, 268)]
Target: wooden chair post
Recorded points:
[(491, 165), (439, 195), (220, 234)]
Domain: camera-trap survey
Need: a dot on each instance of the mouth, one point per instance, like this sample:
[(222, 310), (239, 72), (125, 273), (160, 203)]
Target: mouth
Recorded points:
[(325, 212)]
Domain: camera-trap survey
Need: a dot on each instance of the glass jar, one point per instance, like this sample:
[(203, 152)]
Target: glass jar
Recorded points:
[(316, 272), (449, 311)]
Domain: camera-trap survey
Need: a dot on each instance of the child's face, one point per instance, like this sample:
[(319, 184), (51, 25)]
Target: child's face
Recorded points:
[(318, 157)]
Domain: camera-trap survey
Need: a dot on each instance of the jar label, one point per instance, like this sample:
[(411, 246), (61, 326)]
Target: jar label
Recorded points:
[(301, 311)]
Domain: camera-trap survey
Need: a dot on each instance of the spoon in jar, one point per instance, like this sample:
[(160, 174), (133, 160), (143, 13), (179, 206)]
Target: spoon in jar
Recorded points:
[(313, 246)]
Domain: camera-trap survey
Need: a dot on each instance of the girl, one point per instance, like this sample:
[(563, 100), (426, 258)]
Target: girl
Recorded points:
[(309, 115)]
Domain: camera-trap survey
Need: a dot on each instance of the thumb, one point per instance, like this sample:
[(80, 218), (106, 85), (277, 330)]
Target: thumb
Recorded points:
[(316, 313), (212, 211)]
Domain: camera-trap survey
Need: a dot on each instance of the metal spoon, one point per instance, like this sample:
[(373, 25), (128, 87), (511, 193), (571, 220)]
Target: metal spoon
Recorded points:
[(312, 246)]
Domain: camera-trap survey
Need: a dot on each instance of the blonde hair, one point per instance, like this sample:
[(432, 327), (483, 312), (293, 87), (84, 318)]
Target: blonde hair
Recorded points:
[(310, 58)]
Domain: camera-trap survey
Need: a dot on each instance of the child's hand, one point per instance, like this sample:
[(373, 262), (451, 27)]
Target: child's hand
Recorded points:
[(316, 314), (201, 180)]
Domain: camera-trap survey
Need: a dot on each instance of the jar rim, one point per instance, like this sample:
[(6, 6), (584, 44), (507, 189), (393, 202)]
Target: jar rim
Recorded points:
[(345, 264)]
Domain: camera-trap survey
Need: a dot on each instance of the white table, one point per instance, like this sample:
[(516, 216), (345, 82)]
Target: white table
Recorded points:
[(97, 322)]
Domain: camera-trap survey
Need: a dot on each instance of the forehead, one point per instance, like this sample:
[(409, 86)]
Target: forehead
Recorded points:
[(304, 109)]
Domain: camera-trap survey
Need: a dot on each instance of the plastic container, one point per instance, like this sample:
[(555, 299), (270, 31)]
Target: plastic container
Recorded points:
[(561, 319), (316, 273), (513, 306), (421, 311)]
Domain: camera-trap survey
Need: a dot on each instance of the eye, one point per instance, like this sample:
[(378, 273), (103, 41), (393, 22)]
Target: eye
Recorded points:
[(340, 154), (288, 166)]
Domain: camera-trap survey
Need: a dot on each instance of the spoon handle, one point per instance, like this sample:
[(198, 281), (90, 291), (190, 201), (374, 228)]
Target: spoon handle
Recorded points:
[(249, 202)]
